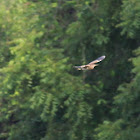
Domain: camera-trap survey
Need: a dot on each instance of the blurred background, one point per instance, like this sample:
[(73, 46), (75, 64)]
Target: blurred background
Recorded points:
[(42, 97)]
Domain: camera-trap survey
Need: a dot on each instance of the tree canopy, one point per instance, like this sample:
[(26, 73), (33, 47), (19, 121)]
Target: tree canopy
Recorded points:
[(42, 97)]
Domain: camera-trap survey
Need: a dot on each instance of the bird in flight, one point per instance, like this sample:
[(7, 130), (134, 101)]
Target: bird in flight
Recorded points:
[(91, 65)]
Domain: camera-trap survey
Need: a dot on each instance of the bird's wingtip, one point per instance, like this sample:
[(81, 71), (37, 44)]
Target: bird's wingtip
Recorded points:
[(103, 56)]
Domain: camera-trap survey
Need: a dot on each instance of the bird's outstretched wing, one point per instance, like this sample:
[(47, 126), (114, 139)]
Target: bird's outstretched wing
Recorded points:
[(97, 60)]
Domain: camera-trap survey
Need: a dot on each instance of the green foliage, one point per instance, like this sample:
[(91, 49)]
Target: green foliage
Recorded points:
[(127, 104), (130, 16), (109, 130), (42, 97)]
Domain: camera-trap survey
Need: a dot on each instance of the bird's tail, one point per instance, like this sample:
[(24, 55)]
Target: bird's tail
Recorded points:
[(77, 67)]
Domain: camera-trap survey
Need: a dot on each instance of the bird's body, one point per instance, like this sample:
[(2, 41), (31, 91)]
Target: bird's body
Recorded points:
[(91, 65)]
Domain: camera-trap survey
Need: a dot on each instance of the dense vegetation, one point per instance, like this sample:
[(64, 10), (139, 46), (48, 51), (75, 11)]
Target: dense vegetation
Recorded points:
[(42, 97)]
